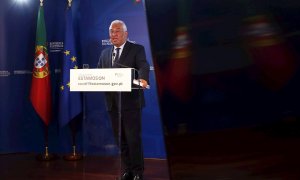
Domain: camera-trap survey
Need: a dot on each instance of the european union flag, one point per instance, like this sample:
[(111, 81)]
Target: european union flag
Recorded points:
[(70, 103)]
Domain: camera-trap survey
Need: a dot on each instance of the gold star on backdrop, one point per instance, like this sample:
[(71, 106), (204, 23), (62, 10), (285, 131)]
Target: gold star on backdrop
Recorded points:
[(66, 52), (73, 59)]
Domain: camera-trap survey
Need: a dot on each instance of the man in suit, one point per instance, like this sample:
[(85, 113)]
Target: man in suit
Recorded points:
[(124, 54)]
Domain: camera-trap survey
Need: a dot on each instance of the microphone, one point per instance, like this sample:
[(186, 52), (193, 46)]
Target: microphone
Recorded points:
[(135, 81), (124, 66), (113, 58)]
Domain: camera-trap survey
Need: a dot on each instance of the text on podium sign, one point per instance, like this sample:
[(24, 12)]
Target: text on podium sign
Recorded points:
[(110, 79)]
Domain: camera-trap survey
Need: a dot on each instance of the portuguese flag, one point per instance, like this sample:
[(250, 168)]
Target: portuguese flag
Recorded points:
[(40, 93), (273, 57), (178, 69), (179, 66)]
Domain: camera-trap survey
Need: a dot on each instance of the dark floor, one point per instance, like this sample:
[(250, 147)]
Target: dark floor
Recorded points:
[(25, 167), (265, 152), (270, 152)]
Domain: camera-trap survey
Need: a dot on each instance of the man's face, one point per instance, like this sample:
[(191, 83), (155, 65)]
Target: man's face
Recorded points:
[(117, 34)]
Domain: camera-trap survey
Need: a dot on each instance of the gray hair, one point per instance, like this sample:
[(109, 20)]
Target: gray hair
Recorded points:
[(118, 22)]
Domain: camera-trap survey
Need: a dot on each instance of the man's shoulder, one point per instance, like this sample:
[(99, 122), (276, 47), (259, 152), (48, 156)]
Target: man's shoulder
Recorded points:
[(134, 45), (107, 49)]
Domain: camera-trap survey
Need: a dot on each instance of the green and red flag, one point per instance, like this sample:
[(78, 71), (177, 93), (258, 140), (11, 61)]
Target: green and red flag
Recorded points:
[(275, 60), (178, 69), (137, 1), (40, 93)]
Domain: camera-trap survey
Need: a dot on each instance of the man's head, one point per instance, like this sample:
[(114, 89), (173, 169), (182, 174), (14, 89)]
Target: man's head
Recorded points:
[(118, 32)]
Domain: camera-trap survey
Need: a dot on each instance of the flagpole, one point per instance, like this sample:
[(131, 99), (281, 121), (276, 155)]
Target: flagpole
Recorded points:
[(74, 156), (69, 3), (46, 156), (41, 83)]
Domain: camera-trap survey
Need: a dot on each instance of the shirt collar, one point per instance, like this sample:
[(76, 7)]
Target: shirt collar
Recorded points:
[(121, 47)]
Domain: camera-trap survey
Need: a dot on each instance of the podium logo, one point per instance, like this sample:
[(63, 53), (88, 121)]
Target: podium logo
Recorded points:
[(119, 75)]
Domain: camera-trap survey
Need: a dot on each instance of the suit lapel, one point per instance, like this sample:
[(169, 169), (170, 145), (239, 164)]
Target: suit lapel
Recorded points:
[(124, 52), (109, 58)]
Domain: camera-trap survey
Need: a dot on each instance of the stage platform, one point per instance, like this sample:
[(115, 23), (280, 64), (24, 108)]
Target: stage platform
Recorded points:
[(24, 166)]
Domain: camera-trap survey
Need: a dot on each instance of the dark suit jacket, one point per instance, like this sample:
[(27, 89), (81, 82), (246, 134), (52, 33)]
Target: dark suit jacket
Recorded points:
[(133, 56)]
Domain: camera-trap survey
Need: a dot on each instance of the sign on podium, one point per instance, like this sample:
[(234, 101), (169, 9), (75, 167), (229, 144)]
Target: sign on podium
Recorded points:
[(110, 79)]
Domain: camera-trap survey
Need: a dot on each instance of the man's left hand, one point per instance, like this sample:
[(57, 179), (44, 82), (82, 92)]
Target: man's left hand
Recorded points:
[(143, 82)]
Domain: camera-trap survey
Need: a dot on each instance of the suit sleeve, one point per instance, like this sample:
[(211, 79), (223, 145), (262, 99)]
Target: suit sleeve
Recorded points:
[(142, 64), (100, 63)]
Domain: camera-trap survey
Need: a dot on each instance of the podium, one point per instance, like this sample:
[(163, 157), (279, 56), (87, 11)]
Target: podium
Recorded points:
[(89, 81), (96, 80)]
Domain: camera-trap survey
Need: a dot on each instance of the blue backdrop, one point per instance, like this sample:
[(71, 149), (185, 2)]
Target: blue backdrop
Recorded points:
[(20, 128)]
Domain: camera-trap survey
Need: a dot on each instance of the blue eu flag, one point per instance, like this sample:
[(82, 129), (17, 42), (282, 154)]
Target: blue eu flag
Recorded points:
[(70, 103)]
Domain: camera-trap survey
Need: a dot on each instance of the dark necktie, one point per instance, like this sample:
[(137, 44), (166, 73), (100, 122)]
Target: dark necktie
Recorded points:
[(117, 55)]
